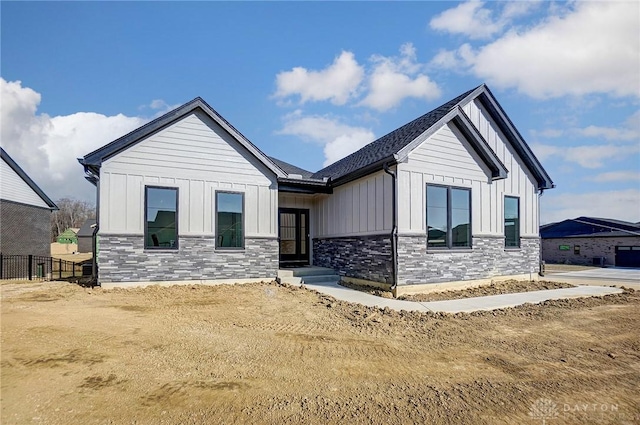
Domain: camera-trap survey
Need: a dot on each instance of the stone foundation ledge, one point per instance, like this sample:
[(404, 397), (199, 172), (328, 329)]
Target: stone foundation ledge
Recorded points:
[(212, 282)]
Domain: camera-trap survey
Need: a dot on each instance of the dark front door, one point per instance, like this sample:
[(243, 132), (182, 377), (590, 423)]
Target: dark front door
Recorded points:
[(294, 236)]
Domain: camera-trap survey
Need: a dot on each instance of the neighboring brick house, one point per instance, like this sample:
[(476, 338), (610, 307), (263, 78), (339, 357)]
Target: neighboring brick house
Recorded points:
[(25, 212), (451, 196), (591, 241)]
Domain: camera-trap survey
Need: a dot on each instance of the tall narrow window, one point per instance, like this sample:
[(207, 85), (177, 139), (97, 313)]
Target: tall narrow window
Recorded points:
[(229, 220), (448, 217), (437, 221), (161, 218), (511, 222)]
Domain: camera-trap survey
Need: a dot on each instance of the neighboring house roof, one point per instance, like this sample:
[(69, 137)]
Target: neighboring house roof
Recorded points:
[(69, 233), (291, 169), (86, 229), (20, 172), (396, 145), (94, 160), (589, 227)]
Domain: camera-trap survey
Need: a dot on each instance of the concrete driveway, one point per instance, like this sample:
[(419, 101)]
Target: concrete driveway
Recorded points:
[(627, 277)]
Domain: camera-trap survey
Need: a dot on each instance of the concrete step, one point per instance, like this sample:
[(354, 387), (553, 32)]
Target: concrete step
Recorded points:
[(291, 280), (305, 271), (324, 278)]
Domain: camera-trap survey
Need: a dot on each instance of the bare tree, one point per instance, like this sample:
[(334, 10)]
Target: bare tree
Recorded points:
[(71, 213)]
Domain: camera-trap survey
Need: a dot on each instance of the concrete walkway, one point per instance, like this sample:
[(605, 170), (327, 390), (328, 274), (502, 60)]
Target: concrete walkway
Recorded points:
[(627, 277), (465, 305)]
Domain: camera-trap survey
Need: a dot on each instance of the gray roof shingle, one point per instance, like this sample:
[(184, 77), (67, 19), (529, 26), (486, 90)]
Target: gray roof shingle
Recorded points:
[(291, 169)]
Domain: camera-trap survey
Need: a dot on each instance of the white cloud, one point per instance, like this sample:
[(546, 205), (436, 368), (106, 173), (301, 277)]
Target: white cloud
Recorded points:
[(338, 139), (616, 204), (447, 59), (338, 82), (592, 48), (588, 156), (543, 151), (394, 79), (609, 133), (386, 82), (47, 147), (515, 9), (617, 176), (469, 19), (628, 131), (473, 20)]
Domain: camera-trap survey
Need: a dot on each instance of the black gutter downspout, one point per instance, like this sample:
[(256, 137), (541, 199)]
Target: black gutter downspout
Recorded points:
[(93, 176), (94, 250), (94, 236), (541, 264), (394, 231)]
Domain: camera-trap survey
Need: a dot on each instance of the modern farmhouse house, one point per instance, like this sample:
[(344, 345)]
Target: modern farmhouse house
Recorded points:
[(449, 197)]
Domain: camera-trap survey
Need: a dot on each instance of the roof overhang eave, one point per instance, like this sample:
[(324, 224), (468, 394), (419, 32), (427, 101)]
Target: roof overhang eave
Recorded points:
[(515, 138), (303, 186), (365, 171), (480, 145)]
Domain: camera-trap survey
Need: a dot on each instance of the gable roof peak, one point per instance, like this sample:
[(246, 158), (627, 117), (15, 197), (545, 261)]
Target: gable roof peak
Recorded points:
[(93, 160), (25, 177), (385, 147)]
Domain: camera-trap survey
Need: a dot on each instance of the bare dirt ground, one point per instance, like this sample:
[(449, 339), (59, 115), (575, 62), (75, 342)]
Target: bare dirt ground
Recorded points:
[(266, 353), (507, 287), (497, 288)]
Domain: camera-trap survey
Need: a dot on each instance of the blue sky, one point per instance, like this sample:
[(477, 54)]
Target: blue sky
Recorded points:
[(311, 82)]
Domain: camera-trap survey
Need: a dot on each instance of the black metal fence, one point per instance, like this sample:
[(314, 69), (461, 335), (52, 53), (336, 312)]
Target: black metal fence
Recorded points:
[(35, 267)]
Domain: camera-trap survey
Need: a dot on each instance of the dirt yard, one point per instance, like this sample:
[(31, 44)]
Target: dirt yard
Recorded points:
[(274, 354), (496, 288)]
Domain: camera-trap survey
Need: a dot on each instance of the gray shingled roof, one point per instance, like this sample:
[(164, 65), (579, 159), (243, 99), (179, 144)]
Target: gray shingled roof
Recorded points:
[(589, 226), (387, 146), (385, 150), (291, 169)]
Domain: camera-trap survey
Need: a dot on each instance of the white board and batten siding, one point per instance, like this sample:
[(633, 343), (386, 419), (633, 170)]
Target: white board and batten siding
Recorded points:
[(358, 208), (198, 157), (292, 200), (14, 188), (446, 158)]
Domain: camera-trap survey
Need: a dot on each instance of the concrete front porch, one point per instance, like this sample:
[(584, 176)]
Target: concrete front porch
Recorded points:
[(307, 275)]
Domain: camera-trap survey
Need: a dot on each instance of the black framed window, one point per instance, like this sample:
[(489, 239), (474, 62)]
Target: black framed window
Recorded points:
[(448, 217), (511, 222), (229, 220), (161, 217)]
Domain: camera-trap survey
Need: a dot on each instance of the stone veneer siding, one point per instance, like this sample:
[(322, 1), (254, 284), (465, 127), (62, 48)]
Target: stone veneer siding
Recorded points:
[(589, 248), (488, 258), (362, 257), (122, 258), (24, 229)]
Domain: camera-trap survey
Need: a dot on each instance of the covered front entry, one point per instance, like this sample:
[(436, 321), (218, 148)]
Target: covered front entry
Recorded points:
[(294, 236)]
